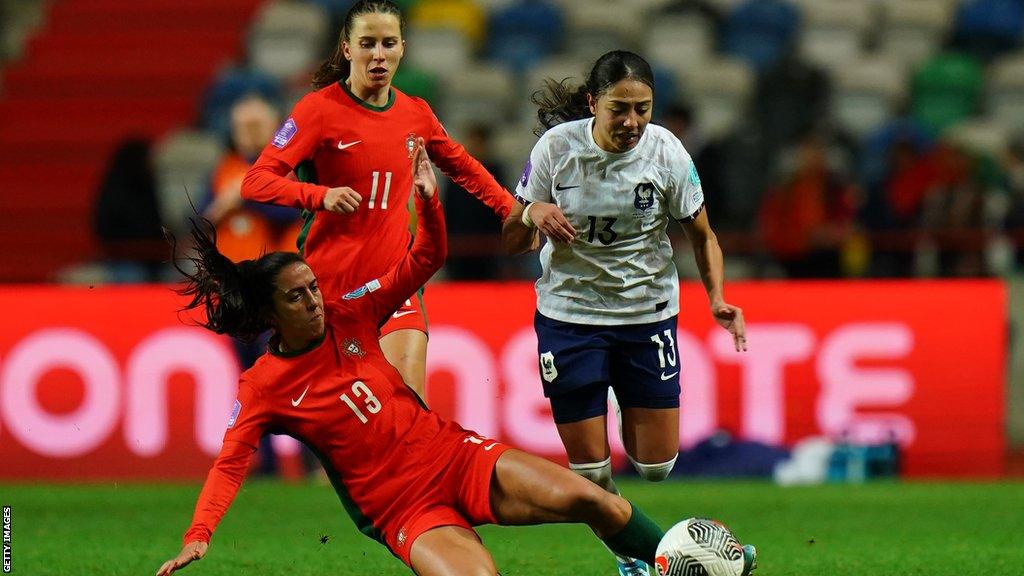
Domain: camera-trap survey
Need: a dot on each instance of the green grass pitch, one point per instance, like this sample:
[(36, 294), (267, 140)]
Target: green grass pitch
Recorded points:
[(891, 528)]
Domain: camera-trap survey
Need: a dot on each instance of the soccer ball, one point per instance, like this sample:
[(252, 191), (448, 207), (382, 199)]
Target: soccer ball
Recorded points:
[(699, 547)]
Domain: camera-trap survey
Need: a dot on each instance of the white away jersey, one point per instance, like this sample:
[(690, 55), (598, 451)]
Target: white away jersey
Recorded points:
[(619, 269)]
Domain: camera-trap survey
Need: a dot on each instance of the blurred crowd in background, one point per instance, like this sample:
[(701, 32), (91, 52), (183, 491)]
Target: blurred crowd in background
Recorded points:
[(834, 138)]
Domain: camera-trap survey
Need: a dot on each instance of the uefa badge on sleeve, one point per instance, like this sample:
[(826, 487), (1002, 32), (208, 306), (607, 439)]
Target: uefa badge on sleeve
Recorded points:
[(547, 367)]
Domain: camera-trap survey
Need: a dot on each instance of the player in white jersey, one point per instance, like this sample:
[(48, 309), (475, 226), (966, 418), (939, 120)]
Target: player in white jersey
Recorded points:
[(603, 186)]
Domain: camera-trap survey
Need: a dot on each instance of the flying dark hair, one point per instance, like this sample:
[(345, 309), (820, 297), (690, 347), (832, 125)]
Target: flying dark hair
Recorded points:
[(237, 298), (337, 68), (558, 102)]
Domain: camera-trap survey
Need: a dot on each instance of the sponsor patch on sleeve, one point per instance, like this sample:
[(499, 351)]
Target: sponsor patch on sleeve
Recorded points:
[(693, 177), (234, 414), (285, 133), (357, 293), (363, 290)]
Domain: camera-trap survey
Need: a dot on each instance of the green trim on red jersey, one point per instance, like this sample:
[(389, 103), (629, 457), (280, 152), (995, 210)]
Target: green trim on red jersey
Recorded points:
[(363, 522), (423, 310), (367, 105), (306, 172), (272, 347)]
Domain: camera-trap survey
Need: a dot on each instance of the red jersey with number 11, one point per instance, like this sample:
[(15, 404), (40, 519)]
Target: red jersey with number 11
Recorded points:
[(335, 139)]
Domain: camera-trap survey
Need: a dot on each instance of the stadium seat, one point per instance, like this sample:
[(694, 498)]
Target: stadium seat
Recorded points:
[(513, 143), (721, 92), (95, 72), (866, 94), (833, 32), (946, 89), (725, 6), (598, 27), (420, 83), (183, 162), (982, 137), (524, 33), (465, 16), (287, 38), (761, 32), (480, 93), (1004, 91), (913, 30), (230, 85), (987, 28), (441, 51), (679, 41)]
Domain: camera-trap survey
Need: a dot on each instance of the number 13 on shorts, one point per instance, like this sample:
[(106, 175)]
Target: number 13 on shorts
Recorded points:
[(665, 358)]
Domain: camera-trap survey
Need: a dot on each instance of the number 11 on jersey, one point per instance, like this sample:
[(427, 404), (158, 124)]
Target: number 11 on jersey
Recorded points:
[(387, 189)]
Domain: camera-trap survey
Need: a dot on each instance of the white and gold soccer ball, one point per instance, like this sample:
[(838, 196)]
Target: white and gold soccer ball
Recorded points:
[(699, 547)]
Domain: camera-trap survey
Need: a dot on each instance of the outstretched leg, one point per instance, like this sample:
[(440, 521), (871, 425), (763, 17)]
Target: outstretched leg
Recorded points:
[(526, 489), (447, 550)]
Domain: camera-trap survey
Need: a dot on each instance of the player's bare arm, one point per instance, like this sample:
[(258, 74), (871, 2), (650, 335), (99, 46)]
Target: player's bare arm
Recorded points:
[(517, 232), (708, 255), (517, 237)]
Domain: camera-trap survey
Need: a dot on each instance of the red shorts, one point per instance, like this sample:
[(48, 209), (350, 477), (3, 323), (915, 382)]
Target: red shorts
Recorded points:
[(459, 495), (410, 315)]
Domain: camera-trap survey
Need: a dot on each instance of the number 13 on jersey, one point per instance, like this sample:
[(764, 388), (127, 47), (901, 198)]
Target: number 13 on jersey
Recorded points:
[(370, 402)]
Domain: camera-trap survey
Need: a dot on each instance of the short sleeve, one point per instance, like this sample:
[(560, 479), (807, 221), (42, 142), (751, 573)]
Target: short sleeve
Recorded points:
[(686, 197), (249, 417), (535, 183), (299, 135)]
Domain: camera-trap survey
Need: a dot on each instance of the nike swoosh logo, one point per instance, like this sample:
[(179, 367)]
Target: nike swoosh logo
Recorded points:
[(342, 145), (401, 313), (667, 376), (488, 448), (297, 402), (560, 187)]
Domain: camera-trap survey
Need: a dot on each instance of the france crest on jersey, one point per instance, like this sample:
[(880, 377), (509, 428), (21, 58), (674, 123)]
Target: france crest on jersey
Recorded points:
[(643, 199)]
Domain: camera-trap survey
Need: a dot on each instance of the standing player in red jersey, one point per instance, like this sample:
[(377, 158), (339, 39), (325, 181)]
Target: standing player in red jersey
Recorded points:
[(410, 479), (350, 142)]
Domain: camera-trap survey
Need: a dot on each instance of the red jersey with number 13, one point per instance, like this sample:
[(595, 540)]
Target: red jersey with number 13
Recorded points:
[(343, 399), (335, 139)]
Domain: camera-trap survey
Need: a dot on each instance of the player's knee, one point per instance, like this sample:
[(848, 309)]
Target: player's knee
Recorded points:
[(599, 473), (590, 501), (654, 472)]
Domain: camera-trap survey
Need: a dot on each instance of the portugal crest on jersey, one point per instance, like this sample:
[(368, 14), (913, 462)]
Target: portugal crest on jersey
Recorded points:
[(352, 347), (410, 143), (643, 196)]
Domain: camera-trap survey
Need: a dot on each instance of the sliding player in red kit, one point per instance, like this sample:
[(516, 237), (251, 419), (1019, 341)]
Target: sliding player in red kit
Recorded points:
[(350, 142), (410, 479)]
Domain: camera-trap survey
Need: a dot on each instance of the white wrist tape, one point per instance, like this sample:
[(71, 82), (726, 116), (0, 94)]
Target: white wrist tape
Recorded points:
[(526, 216)]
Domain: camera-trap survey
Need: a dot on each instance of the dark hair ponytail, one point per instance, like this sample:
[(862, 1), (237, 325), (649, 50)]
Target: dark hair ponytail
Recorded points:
[(237, 298), (337, 67), (557, 102)]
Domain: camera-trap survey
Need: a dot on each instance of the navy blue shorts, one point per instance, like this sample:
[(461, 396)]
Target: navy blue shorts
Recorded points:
[(578, 363)]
